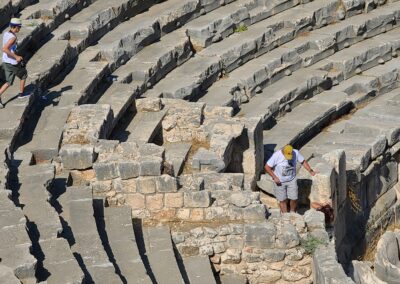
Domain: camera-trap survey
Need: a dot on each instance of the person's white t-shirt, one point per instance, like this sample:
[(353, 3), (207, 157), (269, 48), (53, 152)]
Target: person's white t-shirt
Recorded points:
[(284, 169), (7, 59)]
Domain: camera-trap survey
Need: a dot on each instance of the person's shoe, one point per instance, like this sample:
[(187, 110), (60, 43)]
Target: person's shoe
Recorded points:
[(24, 95), (1, 105)]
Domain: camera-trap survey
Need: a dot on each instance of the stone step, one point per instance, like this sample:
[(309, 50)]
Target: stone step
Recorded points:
[(7, 275), (311, 48), (198, 269), (120, 97), (15, 245), (360, 57), (192, 79), (49, 61), (305, 121), (60, 262), (156, 60), (34, 196), (218, 24), (161, 255), (89, 73), (145, 126), (46, 139), (78, 212), (92, 23), (176, 154), (360, 149), (131, 36), (121, 237)]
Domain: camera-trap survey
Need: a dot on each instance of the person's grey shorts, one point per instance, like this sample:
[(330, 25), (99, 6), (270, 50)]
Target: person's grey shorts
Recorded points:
[(287, 190), (11, 71)]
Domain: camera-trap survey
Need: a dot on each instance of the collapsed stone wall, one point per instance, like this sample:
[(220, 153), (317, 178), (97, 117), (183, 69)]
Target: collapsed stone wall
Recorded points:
[(269, 251)]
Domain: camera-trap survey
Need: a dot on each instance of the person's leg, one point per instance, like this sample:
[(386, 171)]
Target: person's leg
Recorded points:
[(292, 192), (293, 205), (281, 196), (283, 206), (4, 88), (22, 86)]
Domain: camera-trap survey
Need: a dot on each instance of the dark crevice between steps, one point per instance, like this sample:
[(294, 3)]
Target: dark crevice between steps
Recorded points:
[(41, 273), (98, 207), (87, 278), (181, 265), (137, 229)]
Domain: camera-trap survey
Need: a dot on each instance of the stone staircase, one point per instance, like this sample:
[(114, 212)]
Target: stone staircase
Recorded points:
[(297, 65)]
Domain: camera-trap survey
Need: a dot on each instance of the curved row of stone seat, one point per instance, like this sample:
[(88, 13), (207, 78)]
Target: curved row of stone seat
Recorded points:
[(87, 70), (309, 118), (57, 261), (86, 61), (227, 54), (121, 239), (78, 213), (271, 67), (15, 243), (288, 92), (192, 79)]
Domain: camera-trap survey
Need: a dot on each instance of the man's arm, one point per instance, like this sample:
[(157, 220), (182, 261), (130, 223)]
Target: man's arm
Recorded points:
[(7, 49), (269, 170), (307, 166)]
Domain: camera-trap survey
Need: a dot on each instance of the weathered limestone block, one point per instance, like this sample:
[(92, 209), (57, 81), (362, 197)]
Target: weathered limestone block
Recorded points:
[(337, 159), (87, 123), (363, 274), (231, 256), (191, 182), (255, 212), (325, 267), (197, 199), (261, 235), (244, 198), (136, 201), (323, 183), (150, 166), (146, 185), (106, 171), (77, 157), (166, 183), (217, 113), (207, 160), (287, 237), (148, 104), (314, 219), (294, 274), (154, 201), (128, 169), (173, 200), (387, 262)]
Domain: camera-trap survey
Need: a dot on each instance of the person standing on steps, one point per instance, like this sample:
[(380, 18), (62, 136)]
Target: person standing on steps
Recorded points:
[(282, 168), (13, 63)]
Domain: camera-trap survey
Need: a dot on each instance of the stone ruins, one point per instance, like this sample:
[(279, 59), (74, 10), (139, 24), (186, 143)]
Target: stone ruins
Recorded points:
[(140, 156)]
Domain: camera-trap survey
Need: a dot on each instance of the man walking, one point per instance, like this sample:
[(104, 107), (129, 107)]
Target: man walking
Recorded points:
[(282, 168), (11, 61)]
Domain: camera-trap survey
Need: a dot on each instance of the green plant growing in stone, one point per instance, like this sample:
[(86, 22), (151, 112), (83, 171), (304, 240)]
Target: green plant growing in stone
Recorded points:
[(311, 243), (241, 28)]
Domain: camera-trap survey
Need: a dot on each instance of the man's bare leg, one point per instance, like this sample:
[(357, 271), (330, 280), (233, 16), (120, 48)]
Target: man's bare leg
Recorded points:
[(293, 205), (4, 88), (22, 86), (283, 206)]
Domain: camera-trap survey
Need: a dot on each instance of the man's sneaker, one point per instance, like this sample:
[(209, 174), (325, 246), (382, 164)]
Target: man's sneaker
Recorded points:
[(1, 105), (24, 95)]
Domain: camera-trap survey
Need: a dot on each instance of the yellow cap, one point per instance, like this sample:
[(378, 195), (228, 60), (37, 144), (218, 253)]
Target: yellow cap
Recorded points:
[(287, 152)]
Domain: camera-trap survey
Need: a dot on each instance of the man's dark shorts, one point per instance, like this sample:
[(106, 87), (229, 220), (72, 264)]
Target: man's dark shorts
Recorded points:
[(11, 71)]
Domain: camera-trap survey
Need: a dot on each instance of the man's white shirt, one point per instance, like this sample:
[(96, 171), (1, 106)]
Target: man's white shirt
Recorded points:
[(284, 169)]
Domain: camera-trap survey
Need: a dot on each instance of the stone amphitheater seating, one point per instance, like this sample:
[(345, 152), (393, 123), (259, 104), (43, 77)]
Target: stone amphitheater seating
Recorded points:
[(296, 65)]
